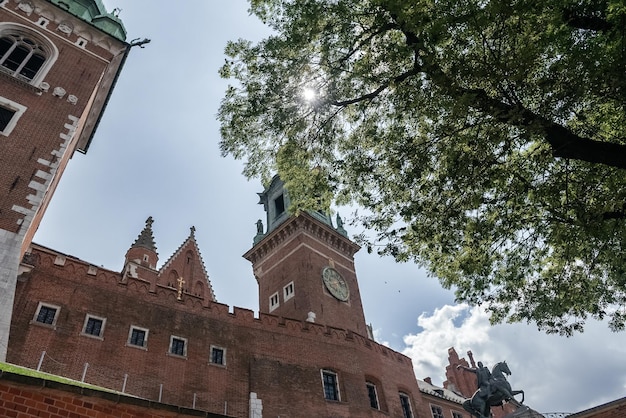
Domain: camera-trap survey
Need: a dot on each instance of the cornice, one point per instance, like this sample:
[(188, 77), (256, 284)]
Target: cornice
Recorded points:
[(303, 223)]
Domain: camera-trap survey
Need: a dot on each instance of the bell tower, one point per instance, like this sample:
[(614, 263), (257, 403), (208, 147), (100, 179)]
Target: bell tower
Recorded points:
[(59, 60), (304, 265)]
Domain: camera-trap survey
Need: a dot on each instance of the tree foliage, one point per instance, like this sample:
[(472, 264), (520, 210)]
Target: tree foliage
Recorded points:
[(486, 139)]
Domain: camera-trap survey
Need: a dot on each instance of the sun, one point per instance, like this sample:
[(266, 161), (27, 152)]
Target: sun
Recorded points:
[(309, 94)]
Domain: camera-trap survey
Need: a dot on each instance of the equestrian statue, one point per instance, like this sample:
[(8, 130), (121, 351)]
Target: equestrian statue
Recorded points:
[(493, 389)]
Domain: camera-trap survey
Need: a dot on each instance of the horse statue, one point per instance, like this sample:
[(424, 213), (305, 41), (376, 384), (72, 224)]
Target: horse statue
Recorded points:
[(493, 390)]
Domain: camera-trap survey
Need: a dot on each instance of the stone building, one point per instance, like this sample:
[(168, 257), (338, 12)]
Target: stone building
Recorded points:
[(59, 61)]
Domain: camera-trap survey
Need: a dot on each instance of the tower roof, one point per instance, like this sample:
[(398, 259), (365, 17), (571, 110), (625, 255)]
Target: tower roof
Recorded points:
[(94, 12), (146, 238)]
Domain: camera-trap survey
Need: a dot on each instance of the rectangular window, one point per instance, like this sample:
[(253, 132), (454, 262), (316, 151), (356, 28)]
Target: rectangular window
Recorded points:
[(46, 314), (138, 337), (279, 205), (288, 291), (329, 381), (93, 326), (178, 346), (436, 411), (218, 355), (10, 112), (456, 414), (371, 393), (406, 405), (274, 301)]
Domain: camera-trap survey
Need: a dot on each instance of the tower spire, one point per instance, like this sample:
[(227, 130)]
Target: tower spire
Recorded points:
[(146, 238)]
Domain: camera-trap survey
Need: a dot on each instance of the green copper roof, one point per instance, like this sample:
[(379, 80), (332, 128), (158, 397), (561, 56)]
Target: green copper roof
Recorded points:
[(94, 12)]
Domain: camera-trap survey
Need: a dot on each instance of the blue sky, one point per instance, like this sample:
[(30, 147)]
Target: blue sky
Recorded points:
[(156, 154)]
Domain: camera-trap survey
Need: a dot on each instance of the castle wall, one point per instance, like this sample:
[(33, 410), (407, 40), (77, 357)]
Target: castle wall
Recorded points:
[(278, 359)]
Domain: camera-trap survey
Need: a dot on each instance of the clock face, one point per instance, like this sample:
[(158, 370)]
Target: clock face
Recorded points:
[(335, 284)]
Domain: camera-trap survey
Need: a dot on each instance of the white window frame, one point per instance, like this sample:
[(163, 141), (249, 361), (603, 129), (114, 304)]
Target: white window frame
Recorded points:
[(288, 291), (369, 384), (432, 410), (408, 399), (84, 329), (15, 107), (49, 306), (330, 372), (52, 53), (274, 305), (145, 338), (216, 347), (169, 349)]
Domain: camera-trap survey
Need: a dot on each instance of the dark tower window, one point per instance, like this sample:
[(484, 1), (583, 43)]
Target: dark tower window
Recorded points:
[(21, 56), (406, 405), (279, 205), (5, 117), (331, 390), (371, 393)]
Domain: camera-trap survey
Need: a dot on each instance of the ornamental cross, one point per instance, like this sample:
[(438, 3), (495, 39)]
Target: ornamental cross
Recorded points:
[(180, 282)]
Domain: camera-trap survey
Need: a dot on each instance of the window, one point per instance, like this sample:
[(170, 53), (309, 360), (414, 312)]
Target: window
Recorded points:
[(456, 414), (329, 381), (279, 205), (138, 337), (406, 405), (274, 301), (20, 56), (178, 346), (436, 411), (218, 355), (371, 393), (10, 112), (93, 326), (288, 291), (46, 314)]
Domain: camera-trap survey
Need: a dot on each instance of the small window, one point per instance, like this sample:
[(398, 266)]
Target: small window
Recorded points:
[(288, 291), (372, 395), (405, 403), (274, 301), (178, 346), (138, 337), (456, 414), (46, 314), (93, 326), (279, 205), (10, 112), (436, 411), (329, 381), (218, 355)]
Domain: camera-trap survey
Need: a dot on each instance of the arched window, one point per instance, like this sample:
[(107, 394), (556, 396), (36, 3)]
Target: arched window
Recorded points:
[(25, 54)]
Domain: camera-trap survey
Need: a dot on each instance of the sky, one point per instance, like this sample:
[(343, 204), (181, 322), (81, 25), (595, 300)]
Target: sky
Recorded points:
[(156, 154)]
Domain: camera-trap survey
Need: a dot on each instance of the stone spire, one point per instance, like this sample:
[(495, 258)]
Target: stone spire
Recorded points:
[(146, 238)]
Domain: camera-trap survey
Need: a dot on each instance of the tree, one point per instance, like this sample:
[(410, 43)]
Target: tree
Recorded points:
[(485, 139)]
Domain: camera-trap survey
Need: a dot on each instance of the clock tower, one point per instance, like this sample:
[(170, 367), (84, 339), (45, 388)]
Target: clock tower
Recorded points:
[(305, 266)]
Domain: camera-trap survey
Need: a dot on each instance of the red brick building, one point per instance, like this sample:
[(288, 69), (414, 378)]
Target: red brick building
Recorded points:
[(159, 334), (58, 63)]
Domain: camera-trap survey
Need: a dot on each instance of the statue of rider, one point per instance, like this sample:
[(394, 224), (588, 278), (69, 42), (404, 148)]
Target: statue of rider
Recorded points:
[(483, 375)]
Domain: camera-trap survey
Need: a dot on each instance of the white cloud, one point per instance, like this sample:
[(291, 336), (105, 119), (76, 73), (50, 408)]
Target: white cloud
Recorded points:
[(558, 374)]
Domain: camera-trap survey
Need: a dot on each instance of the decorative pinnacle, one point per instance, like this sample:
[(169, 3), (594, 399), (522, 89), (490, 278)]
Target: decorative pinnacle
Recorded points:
[(145, 238), (192, 231)]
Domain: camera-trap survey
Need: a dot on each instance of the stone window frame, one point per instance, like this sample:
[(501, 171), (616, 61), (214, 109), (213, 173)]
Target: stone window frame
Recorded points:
[(288, 291), (48, 47), (214, 348), (171, 347), (146, 332), (17, 109), (274, 301), (405, 404), (330, 388), (48, 306), (436, 411), (84, 332)]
